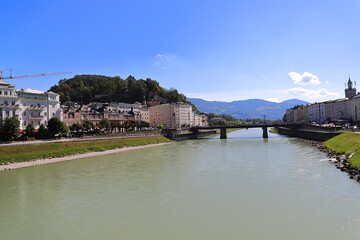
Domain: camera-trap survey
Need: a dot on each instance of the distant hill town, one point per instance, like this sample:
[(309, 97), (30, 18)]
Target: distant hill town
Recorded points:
[(247, 109)]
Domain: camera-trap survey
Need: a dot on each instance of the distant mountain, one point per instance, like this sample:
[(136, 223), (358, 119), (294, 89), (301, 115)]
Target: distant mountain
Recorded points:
[(252, 108)]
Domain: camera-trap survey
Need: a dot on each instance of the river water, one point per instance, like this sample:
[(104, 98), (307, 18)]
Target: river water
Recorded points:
[(244, 187)]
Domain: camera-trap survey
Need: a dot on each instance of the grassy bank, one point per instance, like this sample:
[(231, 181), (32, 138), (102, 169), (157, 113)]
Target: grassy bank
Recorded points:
[(228, 130), (51, 150), (346, 143), (274, 130)]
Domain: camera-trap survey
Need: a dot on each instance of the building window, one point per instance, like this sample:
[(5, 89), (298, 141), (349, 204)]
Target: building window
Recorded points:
[(53, 114), (5, 93), (24, 123), (0, 92), (13, 102)]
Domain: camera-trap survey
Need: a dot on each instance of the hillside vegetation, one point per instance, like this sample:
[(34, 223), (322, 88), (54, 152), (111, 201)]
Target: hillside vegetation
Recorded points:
[(87, 88), (346, 143)]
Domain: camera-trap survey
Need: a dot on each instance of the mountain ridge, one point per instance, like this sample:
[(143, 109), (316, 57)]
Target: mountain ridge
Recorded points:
[(247, 109)]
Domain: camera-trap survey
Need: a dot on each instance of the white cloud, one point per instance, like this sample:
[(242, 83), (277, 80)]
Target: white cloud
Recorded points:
[(304, 79), (163, 61), (273, 100), (311, 93)]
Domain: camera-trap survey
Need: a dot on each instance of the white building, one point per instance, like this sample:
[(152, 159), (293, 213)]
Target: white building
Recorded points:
[(317, 113), (355, 109), (145, 114), (29, 106)]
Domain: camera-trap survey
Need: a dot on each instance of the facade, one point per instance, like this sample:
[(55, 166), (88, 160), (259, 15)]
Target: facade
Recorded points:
[(317, 113), (145, 114), (165, 114), (95, 112), (33, 107), (342, 109), (186, 115), (300, 114), (355, 109), (176, 116)]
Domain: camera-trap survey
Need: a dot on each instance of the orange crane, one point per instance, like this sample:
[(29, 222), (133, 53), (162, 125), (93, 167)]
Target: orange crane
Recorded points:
[(26, 76)]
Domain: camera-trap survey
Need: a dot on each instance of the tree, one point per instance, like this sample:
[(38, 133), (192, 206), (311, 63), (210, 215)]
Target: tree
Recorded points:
[(76, 127), (42, 132), (87, 125), (9, 129), (56, 126), (105, 124), (30, 130), (142, 124)]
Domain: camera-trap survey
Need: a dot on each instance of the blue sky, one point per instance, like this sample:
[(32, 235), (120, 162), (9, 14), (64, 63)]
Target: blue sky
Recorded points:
[(216, 50)]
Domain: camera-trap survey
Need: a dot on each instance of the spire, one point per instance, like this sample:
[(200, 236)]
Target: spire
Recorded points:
[(349, 79)]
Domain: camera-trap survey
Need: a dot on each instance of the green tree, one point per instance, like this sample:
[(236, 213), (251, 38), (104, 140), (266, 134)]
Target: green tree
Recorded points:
[(105, 124), (76, 127), (56, 126), (87, 125), (42, 132), (10, 129), (30, 130), (143, 124)]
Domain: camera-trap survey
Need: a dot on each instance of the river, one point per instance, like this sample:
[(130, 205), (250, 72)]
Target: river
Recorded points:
[(244, 187)]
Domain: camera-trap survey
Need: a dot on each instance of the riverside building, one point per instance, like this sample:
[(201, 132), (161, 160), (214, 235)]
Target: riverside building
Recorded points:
[(338, 110), (29, 106)]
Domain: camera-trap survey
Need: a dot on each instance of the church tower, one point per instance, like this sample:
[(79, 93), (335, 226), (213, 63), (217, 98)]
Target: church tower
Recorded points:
[(350, 91)]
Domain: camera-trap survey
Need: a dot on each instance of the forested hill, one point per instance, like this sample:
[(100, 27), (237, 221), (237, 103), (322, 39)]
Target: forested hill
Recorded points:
[(87, 88)]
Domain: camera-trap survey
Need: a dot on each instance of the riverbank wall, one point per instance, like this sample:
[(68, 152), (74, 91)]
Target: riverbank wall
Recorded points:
[(179, 135), (309, 132)]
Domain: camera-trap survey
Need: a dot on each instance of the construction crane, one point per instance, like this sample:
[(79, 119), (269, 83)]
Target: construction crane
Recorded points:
[(26, 76)]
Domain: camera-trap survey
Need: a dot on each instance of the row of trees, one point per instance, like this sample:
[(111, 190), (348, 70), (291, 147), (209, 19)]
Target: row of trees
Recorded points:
[(10, 128), (107, 126)]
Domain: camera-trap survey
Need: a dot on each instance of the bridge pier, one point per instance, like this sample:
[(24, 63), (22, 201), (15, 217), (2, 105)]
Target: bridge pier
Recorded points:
[(195, 133), (223, 133), (265, 132)]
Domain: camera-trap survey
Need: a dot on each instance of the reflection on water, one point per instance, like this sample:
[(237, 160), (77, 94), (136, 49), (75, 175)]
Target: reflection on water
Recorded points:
[(244, 187)]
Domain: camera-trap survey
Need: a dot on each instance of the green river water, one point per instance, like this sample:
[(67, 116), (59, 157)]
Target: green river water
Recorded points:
[(245, 187)]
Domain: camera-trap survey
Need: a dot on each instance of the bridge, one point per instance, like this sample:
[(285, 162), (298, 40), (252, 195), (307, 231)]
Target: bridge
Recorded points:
[(223, 128)]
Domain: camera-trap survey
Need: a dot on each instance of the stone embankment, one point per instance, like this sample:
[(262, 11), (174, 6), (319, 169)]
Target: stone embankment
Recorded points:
[(340, 160)]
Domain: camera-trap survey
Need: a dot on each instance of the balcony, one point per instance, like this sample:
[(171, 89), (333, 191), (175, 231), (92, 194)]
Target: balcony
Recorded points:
[(14, 106), (36, 117), (35, 108)]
